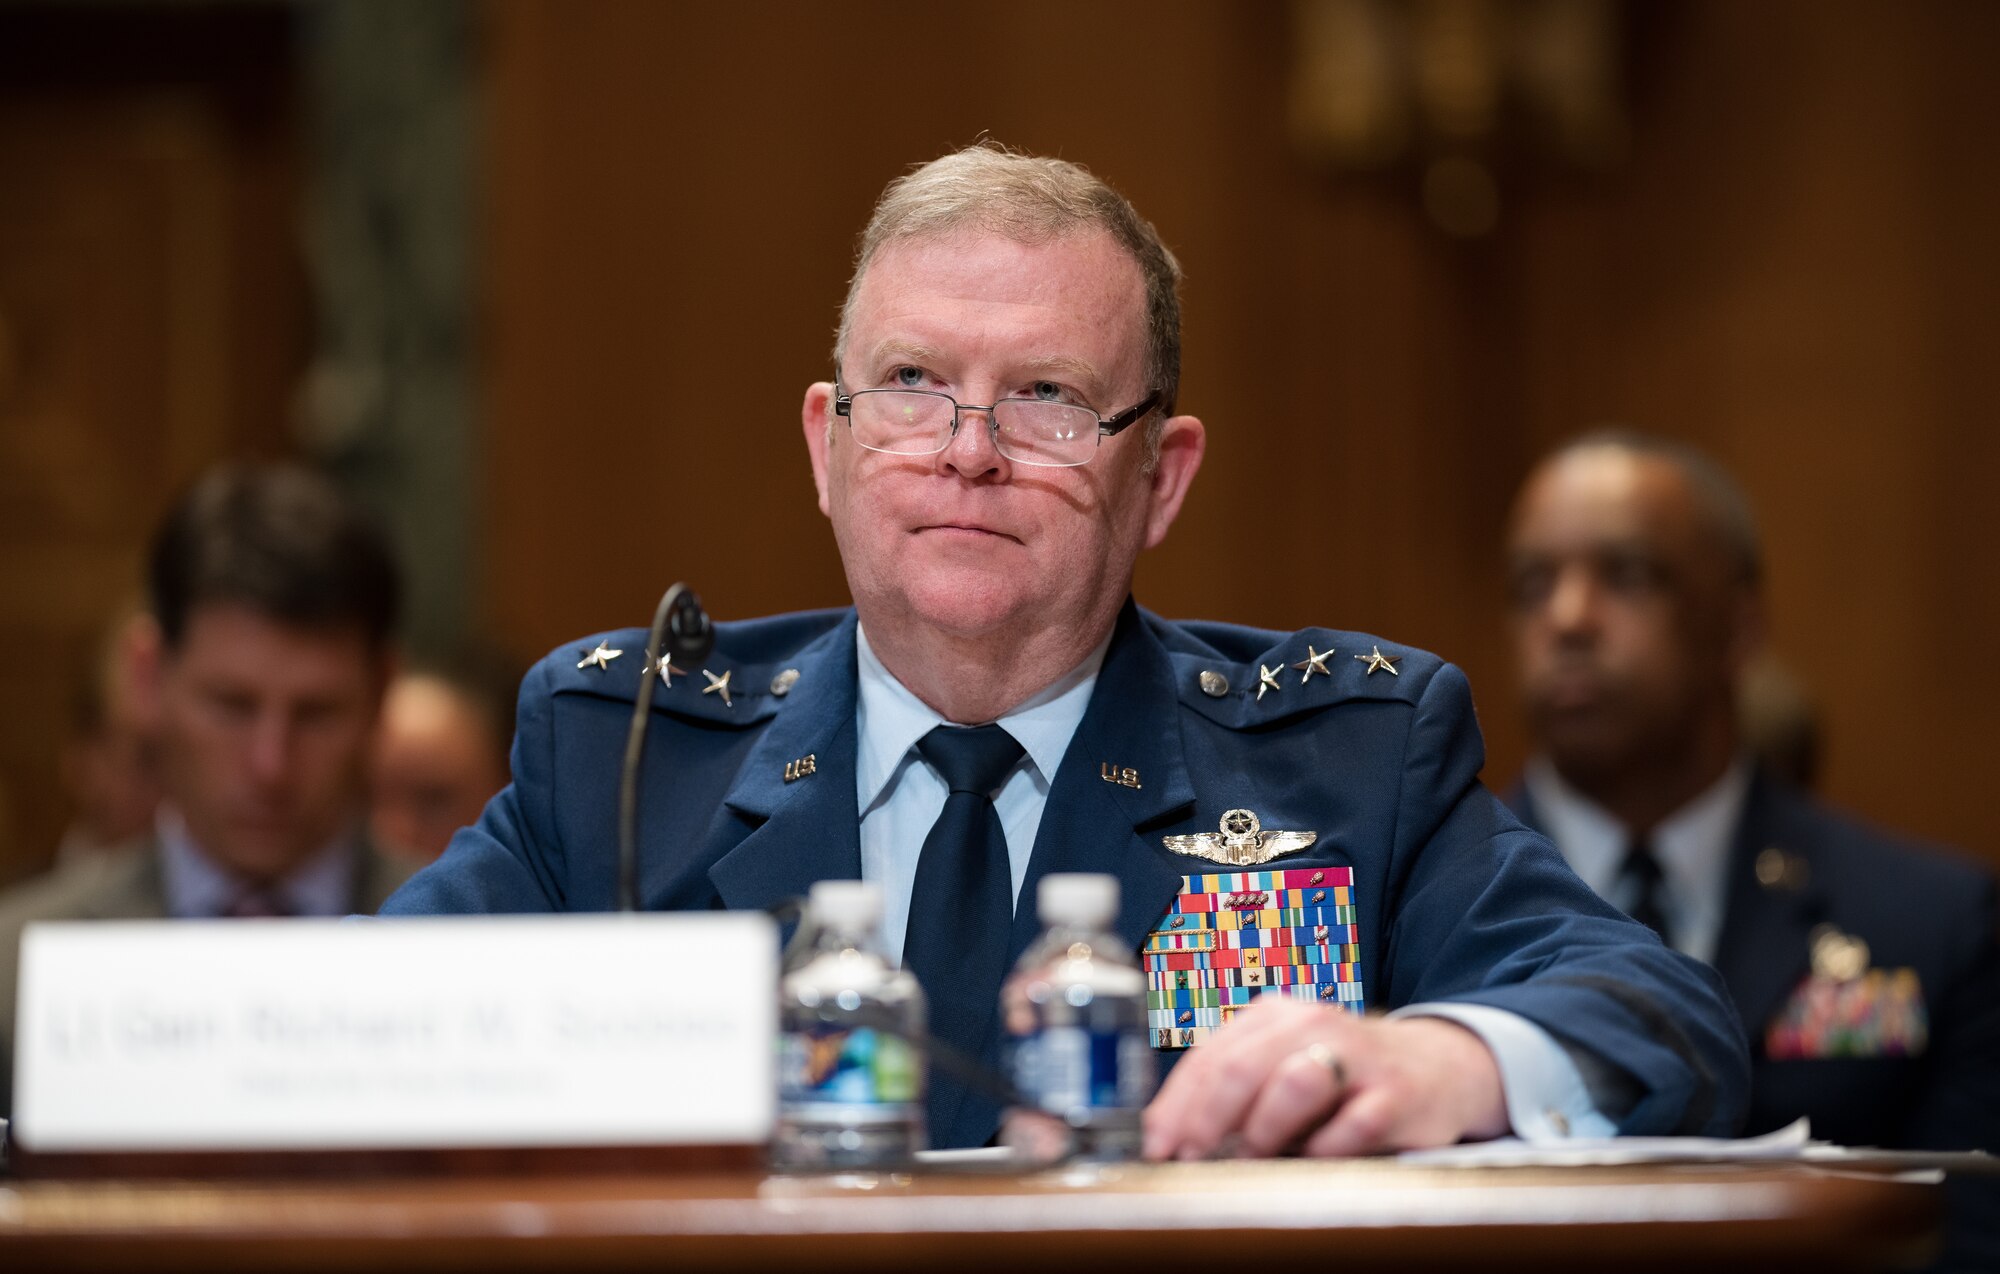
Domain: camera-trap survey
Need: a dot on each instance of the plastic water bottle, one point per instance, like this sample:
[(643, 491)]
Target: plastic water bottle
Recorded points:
[(850, 1083), (1075, 1013)]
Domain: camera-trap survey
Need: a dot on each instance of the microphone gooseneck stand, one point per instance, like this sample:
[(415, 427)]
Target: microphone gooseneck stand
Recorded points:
[(683, 627)]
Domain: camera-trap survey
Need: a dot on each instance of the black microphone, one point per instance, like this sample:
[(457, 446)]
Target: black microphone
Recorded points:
[(682, 626)]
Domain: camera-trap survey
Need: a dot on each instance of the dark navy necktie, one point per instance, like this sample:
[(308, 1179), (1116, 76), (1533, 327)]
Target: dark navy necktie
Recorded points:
[(256, 902), (962, 905), (1647, 887)]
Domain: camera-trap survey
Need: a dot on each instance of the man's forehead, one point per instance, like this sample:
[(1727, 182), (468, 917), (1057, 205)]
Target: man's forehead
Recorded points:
[(1608, 492), (1611, 502), (230, 635), (930, 298), (1071, 266)]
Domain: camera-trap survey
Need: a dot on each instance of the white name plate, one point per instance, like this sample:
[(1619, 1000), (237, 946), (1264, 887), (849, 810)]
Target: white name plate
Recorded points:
[(396, 1034)]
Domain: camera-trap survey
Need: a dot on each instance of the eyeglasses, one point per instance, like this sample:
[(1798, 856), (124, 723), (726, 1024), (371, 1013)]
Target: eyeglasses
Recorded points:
[(918, 422)]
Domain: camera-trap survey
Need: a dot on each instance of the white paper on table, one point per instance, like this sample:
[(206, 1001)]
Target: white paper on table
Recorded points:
[(1789, 1142)]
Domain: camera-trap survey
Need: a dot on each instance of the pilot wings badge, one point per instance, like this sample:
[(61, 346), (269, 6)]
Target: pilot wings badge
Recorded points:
[(1242, 842)]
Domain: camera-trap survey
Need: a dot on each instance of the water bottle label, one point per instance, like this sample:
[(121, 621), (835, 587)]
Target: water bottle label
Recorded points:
[(859, 1067), (1138, 1071), (1066, 1069)]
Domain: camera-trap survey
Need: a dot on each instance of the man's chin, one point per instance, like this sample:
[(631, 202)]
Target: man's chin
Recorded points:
[(966, 621), (967, 604), (1588, 757), (260, 857), (1581, 741)]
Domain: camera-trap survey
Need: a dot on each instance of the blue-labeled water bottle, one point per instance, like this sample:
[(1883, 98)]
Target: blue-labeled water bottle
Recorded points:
[(1075, 1013), (850, 1082)]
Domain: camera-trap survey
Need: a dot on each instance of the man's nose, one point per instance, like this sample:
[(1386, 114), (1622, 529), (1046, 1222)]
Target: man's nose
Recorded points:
[(271, 746), (1572, 606), (974, 450)]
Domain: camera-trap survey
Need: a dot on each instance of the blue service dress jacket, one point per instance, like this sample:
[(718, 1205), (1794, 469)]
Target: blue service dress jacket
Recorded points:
[(1860, 1066), (1452, 898)]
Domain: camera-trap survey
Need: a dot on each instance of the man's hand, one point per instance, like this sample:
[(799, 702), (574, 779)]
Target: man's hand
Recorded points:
[(1288, 1075)]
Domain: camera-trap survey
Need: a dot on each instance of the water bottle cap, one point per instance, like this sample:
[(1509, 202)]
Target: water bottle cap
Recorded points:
[(1085, 900), (847, 904)]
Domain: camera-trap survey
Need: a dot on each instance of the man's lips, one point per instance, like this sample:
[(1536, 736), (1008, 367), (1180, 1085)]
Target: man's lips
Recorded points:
[(1572, 692), (966, 530), (264, 822)]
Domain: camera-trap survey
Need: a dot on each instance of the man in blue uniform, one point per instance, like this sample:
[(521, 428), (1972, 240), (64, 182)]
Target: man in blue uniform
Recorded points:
[(1295, 818), (1864, 968)]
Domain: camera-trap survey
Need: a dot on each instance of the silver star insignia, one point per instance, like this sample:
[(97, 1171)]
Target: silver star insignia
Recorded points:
[(1242, 842), (601, 657), (1379, 662), (718, 685), (1267, 679), (666, 670), (1314, 662)]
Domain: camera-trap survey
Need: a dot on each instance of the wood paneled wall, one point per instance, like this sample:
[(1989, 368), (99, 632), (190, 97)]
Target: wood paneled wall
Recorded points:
[(1796, 268), (1800, 274), (152, 322)]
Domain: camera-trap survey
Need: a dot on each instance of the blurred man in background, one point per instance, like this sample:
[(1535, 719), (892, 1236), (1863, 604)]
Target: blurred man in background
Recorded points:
[(110, 763), (1864, 968), (440, 752), (274, 601)]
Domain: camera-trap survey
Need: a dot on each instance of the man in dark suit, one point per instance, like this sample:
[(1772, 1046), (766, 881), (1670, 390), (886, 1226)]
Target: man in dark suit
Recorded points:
[(272, 603), (1295, 818), (1864, 967)]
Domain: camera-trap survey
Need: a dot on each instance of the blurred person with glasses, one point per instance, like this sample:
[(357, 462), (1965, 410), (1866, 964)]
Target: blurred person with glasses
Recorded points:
[(1000, 441)]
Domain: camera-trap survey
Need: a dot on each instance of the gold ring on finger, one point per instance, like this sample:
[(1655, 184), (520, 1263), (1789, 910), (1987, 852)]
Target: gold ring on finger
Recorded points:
[(1321, 1054)]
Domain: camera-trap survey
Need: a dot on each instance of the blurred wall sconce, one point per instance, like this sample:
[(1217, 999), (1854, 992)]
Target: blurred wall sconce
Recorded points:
[(1458, 94)]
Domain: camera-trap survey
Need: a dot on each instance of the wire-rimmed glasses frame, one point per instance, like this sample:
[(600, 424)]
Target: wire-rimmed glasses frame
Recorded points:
[(1011, 444)]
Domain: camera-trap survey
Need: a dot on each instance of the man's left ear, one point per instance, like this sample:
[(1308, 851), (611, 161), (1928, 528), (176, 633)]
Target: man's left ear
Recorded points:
[(1182, 442)]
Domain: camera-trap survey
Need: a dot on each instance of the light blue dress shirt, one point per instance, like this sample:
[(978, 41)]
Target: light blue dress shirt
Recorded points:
[(197, 889), (1692, 846), (900, 796)]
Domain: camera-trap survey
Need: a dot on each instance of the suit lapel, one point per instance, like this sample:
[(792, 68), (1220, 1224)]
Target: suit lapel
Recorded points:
[(132, 888), (1093, 825), (771, 839), (1764, 948)]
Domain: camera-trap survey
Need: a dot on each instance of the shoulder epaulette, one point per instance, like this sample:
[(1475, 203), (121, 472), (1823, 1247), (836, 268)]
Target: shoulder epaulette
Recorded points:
[(729, 688), (1300, 672)]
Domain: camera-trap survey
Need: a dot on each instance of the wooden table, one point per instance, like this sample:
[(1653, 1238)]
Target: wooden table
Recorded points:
[(1291, 1215)]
